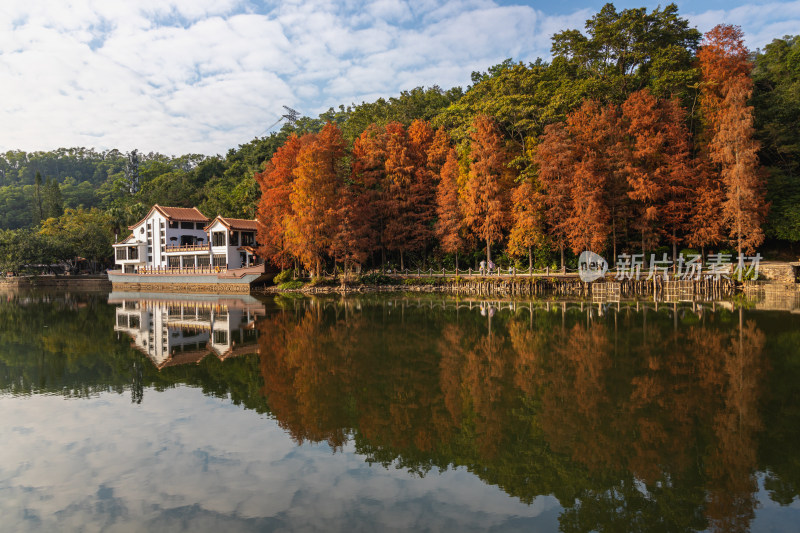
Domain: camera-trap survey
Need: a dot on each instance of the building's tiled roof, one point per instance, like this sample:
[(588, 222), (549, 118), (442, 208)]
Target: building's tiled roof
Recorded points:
[(240, 224), (183, 358), (188, 214), (180, 214)]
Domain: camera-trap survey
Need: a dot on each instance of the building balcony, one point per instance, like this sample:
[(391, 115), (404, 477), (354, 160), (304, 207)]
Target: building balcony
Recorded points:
[(175, 248)]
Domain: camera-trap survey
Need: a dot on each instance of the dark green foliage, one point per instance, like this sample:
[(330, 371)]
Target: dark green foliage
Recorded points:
[(376, 278), (283, 277), (776, 100)]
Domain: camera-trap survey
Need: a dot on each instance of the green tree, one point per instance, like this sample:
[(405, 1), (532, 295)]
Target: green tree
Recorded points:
[(78, 233), (776, 102), (53, 201)]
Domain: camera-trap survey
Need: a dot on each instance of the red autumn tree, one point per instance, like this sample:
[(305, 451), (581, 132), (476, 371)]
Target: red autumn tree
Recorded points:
[(438, 151), (409, 201), (731, 147), (487, 195), (450, 227), (658, 167), (314, 198), (370, 187), (527, 210), (594, 130), (274, 207), (554, 159)]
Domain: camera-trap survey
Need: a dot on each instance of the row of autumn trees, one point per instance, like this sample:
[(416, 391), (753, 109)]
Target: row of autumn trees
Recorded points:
[(609, 178)]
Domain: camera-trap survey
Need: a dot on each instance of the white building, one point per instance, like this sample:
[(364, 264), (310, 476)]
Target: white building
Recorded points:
[(171, 238), (180, 331), (232, 241)]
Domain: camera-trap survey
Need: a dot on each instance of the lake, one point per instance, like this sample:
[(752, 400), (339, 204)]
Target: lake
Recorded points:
[(155, 412)]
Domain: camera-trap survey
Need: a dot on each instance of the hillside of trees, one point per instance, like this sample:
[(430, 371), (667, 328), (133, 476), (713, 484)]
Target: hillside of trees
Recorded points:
[(640, 134)]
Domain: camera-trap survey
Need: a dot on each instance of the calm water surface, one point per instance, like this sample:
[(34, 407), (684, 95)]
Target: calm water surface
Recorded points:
[(142, 412)]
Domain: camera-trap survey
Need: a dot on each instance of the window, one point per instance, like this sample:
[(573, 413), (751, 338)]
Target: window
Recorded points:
[(198, 225), (121, 254), (248, 238), (173, 224), (219, 260), (186, 240), (234, 238), (133, 252), (141, 230), (187, 225), (220, 337), (203, 260), (174, 261), (149, 258), (218, 238)]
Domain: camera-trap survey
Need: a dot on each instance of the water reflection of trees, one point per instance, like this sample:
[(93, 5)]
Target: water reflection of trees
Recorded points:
[(649, 419), (630, 420)]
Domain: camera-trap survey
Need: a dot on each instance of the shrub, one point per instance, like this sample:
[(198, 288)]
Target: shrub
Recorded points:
[(283, 277), (376, 278)]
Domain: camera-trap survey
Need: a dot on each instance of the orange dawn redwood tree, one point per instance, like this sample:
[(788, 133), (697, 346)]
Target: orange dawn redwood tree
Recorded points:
[(658, 166), (554, 159), (732, 150), (528, 220), (593, 130), (450, 227), (487, 191), (370, 187), (275, 206), (314, 197)]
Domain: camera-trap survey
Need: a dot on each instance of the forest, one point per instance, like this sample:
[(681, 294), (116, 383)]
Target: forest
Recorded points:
[(640, 135)]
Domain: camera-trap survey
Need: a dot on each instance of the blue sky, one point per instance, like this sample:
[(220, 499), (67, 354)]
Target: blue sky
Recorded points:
[(202, 76)]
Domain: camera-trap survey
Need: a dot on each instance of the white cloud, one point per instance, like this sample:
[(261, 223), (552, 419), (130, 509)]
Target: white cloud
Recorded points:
[(184, 461), (205, 75)]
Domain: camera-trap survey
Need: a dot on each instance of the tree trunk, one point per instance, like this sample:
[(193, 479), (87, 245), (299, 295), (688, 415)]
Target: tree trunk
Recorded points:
[(614, 242), (563, 266), (401, 261), (530, 258), (674, 252), (488, 252), (456, 262)]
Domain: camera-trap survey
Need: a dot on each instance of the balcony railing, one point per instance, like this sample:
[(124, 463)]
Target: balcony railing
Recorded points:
[(187, 248), (182, 270)]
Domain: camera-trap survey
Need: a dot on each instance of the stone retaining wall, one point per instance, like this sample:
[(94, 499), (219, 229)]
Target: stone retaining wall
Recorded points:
[(778, 272), (213, 288), (59, 282)]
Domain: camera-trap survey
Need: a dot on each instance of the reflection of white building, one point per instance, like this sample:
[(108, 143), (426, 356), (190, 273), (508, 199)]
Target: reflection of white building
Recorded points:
[(182, 238), (186, 329)]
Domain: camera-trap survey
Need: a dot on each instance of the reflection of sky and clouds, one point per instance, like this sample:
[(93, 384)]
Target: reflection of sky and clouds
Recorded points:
[(602, 415), (187, 462)]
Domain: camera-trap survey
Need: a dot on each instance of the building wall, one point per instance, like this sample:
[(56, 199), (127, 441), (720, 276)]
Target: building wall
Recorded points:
[(155, 231)]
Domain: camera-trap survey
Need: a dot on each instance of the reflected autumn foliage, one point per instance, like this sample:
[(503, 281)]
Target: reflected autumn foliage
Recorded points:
[(621, 416)]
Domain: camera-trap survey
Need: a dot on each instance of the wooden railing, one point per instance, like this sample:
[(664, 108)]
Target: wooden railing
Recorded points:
[(187, 248)]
